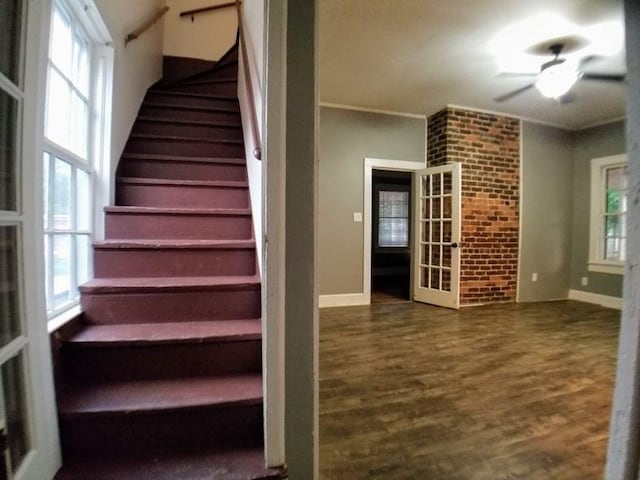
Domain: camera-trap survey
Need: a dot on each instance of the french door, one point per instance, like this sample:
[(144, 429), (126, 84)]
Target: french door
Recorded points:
[(28, 439), (437, 235)]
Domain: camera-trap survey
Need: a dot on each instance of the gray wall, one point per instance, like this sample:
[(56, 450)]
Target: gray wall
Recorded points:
[(591, 143), (547, 202), (346, 138)]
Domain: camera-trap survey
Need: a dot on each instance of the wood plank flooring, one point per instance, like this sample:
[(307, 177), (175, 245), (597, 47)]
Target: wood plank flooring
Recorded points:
[(410, 391)]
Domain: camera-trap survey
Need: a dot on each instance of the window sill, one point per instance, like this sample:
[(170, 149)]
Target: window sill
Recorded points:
[(607, 267), (63, 318)]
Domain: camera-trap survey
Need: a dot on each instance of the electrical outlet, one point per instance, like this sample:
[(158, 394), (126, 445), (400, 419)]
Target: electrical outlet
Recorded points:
[(584, 281), (534, 277), (357, 216)]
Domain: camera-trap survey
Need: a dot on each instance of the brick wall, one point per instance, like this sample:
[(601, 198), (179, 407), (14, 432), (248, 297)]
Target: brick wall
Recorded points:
[(488, 147)]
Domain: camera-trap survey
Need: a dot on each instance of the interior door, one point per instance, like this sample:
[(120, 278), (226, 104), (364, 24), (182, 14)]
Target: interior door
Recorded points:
[(437, 235)]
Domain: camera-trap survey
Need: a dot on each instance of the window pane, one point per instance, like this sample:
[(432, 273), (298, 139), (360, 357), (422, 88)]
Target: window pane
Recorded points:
[(61, 43), (46, 159), (613, 226), (78, 126), (62, 288), (617, 178), (62, 195), (9, 305), (83, 250), (83, 200), (48, 277), (81, 64), (10, 39), (58, 110), (613, 248), (15, 410), (8, 150), (393, 232)]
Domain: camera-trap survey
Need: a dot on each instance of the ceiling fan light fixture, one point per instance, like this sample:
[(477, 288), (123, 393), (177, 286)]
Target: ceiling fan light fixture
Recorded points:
[(556, 80)]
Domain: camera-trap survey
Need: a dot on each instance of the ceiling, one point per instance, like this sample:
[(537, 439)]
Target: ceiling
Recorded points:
[(417, 56)]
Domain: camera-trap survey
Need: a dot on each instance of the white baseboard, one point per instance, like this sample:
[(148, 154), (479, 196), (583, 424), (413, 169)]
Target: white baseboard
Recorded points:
[(604, 300), (342, 300)]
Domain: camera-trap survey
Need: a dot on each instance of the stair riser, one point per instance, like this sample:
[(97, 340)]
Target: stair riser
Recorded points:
[(171, 196), (133, 432), (119, 263), (221, 88), (181, 170), (177, 306), (168, 146), (187, 114), (97, 364), (122, 226), (187, 101), (188, 130)]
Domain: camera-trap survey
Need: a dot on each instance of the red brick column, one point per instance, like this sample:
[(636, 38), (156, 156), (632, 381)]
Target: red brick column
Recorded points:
[(488, 147)]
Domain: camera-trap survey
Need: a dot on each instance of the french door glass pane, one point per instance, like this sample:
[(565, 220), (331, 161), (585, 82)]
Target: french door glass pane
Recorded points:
[(9, 306), (15, 409), (62, 195), (62, 288), (8, 149), (45, 189), (11, 38)]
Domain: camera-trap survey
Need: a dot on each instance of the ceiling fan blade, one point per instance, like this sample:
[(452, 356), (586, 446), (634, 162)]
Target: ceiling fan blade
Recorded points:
[(588, 59), (516, 74), (507, 96), (607, 77)]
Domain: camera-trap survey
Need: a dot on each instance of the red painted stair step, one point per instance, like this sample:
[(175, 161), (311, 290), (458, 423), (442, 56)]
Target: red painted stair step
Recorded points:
[(140, 351), (174, 223), (175, 299), (189, 146), (173, 258), (192, 99), (188, 128), (182, 168), (165, 109), (160, 415), (152, 192)]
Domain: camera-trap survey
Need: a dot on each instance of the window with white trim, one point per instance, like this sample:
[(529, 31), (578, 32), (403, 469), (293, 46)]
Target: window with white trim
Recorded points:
[(75, 123), (608, 223)]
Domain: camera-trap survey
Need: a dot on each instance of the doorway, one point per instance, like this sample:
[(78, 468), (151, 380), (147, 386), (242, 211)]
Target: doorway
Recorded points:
[(391, 194)]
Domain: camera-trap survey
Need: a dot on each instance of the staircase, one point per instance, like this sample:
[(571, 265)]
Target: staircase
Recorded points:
[(164, 378)]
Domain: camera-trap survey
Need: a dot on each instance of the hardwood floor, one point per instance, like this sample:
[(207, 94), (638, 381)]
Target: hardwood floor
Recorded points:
[(410, 391)]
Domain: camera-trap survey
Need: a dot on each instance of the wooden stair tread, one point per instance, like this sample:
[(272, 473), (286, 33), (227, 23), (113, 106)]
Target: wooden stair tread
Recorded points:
[(184, 183), (204, 96), (160, 395), (160, 284), (182, 138), (173, 244), (240, 463), (178, 211), (182, 158), (212, 81), (166, 333), (180, 121), (200, 108)]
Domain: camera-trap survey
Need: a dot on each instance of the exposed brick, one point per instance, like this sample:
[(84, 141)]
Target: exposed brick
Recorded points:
[(488, 147)]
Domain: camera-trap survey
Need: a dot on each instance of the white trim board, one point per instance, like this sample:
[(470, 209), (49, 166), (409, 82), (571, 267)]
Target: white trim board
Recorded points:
[(342, 300), (596, 298), (369, 165), (339, 106)]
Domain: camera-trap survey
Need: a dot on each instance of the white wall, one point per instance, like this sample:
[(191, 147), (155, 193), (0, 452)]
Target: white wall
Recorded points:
[(207, 37), (136, 66), (253, 15)]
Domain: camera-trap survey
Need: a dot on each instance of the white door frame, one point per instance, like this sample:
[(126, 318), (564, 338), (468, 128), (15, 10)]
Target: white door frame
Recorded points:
[(369, 165)]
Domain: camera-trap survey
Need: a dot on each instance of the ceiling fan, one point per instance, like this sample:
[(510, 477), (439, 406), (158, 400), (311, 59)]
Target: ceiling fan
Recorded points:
[(557, 76)]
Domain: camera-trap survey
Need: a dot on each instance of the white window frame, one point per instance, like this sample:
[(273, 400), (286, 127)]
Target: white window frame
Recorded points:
[(86, 17), (596, 261)]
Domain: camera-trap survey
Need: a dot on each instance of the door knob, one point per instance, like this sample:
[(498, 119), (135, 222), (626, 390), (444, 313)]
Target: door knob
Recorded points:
[(454, 245)]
